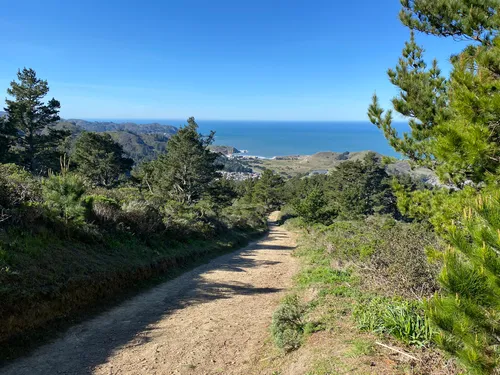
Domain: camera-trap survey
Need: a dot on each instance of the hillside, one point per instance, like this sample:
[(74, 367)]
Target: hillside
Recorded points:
[(322, 162), (100, 126), (226, 150), (143, 144)]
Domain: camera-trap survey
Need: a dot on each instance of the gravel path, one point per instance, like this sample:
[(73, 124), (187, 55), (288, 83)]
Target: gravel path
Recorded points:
[(211, 320)]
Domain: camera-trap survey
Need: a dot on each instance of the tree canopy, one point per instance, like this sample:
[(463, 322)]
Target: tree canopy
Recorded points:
[(30, 121), (100, 159)]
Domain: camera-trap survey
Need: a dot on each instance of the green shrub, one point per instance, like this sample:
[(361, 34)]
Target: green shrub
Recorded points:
[(287, 328), (404, 320), (392, 253), (63, 196), (20, 196), (245, 217)]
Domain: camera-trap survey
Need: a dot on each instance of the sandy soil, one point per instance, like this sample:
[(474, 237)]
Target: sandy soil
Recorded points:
[(211, 320)]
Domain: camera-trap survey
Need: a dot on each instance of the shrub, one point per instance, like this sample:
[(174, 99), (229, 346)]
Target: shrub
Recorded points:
[(183, 220), (142, 217), (102, 210), (392, 254), (20, 194), (399, 318), (287, 326), (63, 195), (245, 217)]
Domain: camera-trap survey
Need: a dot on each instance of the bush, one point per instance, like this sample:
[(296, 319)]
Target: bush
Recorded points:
[(195, 221), (141, 217), (404, 320), (20, 195), (63, 196), (392, 254), (245, 217), (287, 327)]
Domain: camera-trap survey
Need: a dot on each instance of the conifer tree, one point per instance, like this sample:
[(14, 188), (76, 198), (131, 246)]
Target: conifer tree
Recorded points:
[(188, 168), (7, 138), (100, 159), (37, 143), (461, 142)]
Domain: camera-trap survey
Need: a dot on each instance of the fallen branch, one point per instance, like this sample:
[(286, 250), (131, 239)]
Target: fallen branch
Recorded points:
[(398, 351)]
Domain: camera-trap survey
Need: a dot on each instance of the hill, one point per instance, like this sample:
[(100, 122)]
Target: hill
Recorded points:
[(104, 126), (141, 142), (226, 150), (322, 162)]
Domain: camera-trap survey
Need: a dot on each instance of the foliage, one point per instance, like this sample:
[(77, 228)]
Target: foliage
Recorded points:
[(467, 310), (100, 159), (184, 173), (20, 193), (267, 190), (37, 142), (7, 139), (313, 208), (457, 135), (405, 320), (17, 186), (476, 20), (287, 326), (390, 255), (63, 195), (361, 188)]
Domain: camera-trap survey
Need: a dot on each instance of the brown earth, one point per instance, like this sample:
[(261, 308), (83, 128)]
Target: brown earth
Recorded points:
[(211, 320)]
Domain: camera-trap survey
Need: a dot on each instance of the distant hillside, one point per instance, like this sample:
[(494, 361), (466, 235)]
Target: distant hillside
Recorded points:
[(226, 150), (2, 113), (322, 162), (99, 126), (140, 142)]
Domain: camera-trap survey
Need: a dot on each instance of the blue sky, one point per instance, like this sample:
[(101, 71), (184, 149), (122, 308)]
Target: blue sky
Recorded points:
[(218, 59)]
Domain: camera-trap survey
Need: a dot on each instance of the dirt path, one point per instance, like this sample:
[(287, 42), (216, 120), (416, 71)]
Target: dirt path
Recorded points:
[(211, 320)]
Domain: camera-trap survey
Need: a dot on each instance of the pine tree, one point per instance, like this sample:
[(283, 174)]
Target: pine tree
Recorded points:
[(7, 138), (187, 170), (422, 98), (100, 159), (467, 310), (37, 141), (268, 190), (461, 141)]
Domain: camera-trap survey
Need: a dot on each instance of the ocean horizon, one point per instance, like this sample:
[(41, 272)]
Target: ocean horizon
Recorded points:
[(281, 138)]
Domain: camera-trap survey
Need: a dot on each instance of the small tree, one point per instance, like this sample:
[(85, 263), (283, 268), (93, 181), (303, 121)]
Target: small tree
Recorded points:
[(63, 193), (361, 188), (313, 208), (268, 190), (37, 143), (467, 311), (100, 159), (187, 170)]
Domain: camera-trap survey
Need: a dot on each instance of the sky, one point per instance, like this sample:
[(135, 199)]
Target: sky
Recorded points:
[(218, 59)]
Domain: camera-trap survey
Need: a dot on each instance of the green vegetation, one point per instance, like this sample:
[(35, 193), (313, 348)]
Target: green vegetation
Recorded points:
[(454, 131), (100, 159), (28, 133), (287, 327), (76, 229), (402, 319)]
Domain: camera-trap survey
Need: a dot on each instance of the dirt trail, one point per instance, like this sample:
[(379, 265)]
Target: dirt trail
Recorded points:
[(211, 320)]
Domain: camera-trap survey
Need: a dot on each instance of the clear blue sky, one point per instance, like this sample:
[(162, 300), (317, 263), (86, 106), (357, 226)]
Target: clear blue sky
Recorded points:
[(218, 59)]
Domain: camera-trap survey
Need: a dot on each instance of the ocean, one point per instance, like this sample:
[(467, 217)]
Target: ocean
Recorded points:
[(280, 138)]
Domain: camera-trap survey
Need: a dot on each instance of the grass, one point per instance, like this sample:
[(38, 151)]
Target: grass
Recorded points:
[(345, 314), (361, 347), (46, 281)]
